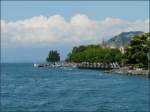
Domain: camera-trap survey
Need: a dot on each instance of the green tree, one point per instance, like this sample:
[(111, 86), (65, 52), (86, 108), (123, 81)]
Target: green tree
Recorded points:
[(53, 56), (95, 53), (136, 51)]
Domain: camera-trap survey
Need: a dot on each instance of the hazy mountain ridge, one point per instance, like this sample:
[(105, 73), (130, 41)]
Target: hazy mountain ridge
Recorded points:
[(122, 39)]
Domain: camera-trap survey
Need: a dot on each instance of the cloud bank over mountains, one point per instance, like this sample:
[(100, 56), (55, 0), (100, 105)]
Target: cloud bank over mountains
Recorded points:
[(80, 29)]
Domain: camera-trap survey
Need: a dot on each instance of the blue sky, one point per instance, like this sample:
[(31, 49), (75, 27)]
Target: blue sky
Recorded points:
[(96, 10), (73, 12)]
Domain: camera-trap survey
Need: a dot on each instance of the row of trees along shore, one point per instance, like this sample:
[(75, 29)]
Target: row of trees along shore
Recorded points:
[(135, 53), (94, 53)]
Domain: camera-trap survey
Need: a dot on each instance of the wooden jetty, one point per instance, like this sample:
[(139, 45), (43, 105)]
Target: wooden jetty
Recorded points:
[(55, 65), (83, 65), (87, 65)]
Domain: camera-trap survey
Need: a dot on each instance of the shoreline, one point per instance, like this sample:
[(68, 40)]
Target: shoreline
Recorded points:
[(126, 70), (118, 70)]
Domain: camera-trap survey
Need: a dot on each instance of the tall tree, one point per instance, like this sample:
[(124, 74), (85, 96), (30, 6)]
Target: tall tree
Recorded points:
[(53, 56), (136, 52)]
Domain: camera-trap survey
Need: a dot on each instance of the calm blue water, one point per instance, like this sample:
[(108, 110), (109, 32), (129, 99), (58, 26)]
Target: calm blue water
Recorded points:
[(24, 88)]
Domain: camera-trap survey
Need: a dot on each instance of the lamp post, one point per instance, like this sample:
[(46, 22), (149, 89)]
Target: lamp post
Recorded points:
[(148, 55)]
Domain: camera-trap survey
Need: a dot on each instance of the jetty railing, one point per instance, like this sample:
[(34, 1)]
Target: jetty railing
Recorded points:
[(83, 65), (87, 65)]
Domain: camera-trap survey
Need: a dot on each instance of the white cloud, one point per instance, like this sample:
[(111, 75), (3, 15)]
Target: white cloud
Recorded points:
[(55, 29)]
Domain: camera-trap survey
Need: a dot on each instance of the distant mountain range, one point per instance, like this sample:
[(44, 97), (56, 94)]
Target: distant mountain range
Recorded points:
[(122, 39)]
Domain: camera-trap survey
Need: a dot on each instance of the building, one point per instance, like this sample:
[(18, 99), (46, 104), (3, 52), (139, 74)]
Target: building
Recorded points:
[(122, 49)]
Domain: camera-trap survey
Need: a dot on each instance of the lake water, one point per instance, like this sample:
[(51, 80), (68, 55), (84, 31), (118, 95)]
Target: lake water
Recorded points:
[(29, 89)]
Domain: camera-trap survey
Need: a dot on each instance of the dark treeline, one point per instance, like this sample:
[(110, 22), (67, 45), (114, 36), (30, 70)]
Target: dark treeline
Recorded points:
[(135, 54), (94, 53)]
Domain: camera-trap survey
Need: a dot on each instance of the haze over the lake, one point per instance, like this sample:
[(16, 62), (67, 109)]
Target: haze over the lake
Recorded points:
[(30, 29)]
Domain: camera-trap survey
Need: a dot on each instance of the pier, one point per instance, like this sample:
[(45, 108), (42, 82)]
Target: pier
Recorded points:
[(83, 65), (56, 65), (87, 65)]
